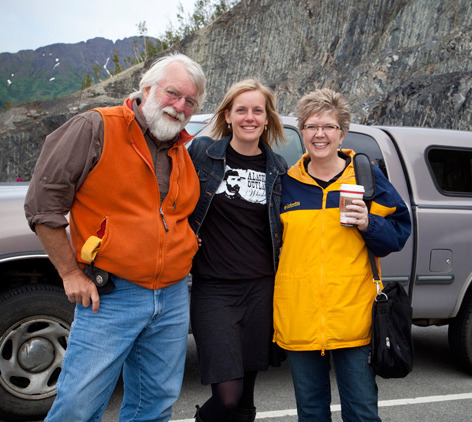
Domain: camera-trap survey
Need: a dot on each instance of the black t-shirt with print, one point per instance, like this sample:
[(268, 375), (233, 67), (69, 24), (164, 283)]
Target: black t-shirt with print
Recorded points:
[(236, 242)]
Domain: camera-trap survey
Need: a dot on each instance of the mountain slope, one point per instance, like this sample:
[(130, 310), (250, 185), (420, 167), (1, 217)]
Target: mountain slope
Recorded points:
[(59, 69)]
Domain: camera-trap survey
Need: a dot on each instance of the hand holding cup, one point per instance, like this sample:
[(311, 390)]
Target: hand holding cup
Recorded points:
[(353, 210)]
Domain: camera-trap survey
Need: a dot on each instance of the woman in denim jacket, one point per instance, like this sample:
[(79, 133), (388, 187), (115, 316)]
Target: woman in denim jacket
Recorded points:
[(238, 221)]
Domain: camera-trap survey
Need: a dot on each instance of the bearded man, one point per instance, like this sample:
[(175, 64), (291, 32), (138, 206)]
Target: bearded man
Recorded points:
[(124, 175)]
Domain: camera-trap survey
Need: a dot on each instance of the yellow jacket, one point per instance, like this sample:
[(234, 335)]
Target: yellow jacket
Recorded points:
[(324, 286)]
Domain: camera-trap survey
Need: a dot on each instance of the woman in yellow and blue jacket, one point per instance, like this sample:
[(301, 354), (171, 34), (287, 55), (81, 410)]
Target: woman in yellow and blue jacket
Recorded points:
[(324, 287)]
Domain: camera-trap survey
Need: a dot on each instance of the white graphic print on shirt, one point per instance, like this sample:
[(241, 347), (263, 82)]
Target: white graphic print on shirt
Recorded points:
[(245, 184)]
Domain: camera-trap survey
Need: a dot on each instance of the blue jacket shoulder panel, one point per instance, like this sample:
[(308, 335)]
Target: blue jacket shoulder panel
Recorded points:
[(387, 233)]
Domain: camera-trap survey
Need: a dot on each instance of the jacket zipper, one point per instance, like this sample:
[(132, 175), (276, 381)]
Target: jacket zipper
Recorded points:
[(323, 299), (174, 204), (163, 219)]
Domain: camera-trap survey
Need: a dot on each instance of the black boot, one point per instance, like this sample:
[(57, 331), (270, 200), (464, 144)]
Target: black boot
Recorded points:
[(197, 414), (244, 415)]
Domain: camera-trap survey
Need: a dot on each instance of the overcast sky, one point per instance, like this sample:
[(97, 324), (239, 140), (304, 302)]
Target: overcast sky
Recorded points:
[(30, 24)]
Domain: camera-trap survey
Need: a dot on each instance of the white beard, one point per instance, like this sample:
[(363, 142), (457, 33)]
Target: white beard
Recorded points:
[(159, 125)]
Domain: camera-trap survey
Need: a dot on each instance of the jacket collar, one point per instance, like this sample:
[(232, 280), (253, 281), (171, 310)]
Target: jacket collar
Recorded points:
[(298, 171), (217, 151)]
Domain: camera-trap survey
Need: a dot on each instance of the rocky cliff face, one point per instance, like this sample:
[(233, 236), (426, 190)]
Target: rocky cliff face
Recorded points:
[(399, 62)]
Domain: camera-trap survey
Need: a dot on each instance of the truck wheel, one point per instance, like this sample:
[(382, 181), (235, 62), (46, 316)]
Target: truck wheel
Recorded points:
[(460, 336), (34, 327)]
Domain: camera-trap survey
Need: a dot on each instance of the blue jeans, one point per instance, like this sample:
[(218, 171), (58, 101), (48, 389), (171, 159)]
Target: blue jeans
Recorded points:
[(145, 332), (354, 376)]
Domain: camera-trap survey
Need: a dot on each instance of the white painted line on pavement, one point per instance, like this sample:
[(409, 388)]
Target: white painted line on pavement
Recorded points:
[(430, 399), (382, 403)]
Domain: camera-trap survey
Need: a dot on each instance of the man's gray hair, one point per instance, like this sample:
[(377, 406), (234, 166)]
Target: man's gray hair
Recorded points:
[(157, 72)]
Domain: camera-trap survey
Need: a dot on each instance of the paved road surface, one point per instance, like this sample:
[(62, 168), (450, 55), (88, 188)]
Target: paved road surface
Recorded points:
[(436, 391)]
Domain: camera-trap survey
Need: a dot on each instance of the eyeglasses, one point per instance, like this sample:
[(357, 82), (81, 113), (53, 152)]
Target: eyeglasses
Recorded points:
[(324, 129), (172, 95)]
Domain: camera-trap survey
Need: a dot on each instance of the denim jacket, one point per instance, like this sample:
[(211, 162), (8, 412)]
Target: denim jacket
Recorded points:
[(209, 158)]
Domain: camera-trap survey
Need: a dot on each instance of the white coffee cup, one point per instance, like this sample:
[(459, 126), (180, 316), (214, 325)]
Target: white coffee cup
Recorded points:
[(347, 193)]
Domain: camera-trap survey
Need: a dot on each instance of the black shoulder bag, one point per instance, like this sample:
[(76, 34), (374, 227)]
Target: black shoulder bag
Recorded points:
[(391, 345)]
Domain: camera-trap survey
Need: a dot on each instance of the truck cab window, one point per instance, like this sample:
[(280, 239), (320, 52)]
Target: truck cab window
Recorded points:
[(293, 149), (451, 170), (363, 143)]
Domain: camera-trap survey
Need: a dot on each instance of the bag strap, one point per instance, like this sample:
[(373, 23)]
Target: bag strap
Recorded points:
[(364, 173), (375, 270)]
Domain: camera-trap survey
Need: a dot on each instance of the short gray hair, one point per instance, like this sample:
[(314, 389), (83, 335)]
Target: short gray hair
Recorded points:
[(157, 72)]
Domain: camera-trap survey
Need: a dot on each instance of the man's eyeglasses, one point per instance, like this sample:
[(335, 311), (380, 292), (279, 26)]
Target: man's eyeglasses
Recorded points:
[(324, 129), (173, 95)]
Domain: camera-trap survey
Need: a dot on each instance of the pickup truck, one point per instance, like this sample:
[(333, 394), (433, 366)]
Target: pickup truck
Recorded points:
[(430, 168)]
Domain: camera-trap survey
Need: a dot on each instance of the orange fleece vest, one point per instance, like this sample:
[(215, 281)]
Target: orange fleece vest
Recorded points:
[(149, 244)]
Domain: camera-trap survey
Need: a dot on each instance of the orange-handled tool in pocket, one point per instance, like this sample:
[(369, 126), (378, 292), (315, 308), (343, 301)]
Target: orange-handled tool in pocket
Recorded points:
[(90, 249)]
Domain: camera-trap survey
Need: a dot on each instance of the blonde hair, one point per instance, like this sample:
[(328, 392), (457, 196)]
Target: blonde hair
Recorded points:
[(275, 128), (323, 101)]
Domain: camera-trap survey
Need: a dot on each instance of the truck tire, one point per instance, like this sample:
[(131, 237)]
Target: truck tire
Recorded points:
[(460, 335), (34, 327)]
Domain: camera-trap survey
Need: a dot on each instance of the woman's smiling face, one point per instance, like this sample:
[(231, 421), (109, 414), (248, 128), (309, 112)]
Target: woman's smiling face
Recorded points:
[(247, 116), (322, 144)]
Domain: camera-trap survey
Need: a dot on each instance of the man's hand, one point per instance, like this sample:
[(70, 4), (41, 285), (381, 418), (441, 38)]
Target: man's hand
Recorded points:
[(80, 289)]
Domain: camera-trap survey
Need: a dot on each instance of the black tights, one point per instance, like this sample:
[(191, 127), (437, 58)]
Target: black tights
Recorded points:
[(227, 396)]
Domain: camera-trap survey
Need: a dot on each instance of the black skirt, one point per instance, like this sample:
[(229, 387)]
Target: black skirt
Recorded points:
[(232, 325)]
